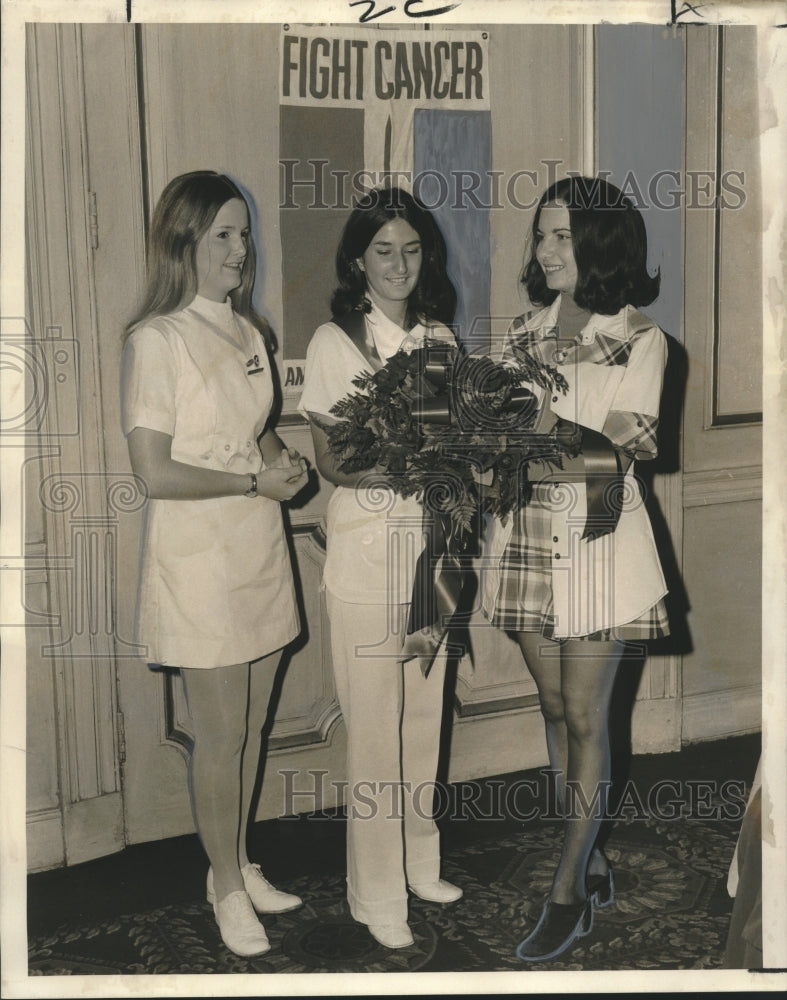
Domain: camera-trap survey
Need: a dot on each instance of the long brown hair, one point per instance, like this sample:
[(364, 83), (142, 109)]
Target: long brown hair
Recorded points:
[(184, 213), (434, 297)]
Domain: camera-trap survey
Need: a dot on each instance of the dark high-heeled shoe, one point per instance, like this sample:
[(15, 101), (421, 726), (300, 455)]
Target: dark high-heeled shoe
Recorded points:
[(558, 927), (601, 890)]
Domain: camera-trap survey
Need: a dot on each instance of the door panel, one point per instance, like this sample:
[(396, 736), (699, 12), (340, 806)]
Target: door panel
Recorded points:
[(723, 306), (722, 441), (73, 552)]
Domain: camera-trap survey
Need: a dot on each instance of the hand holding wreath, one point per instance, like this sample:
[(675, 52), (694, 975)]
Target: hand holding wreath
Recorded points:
[(436, 415)]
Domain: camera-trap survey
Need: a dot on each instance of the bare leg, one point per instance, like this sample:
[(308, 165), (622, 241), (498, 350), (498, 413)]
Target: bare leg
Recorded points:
[(218, 705), (262, 674)]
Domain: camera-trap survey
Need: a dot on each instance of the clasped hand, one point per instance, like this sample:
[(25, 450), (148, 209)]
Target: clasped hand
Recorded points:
[(283, 478)]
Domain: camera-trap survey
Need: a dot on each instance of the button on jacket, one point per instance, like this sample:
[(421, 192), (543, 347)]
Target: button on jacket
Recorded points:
[(614, 369)]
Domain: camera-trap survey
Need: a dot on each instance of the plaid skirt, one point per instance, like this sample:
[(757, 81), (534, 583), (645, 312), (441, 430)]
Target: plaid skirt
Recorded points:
[(525, 600)]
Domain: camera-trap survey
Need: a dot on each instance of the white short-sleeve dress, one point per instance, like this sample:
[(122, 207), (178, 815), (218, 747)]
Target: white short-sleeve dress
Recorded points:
[(216, 585)]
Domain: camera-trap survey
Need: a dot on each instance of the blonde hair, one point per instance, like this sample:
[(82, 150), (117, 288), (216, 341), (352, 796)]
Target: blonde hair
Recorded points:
[(184, 213)]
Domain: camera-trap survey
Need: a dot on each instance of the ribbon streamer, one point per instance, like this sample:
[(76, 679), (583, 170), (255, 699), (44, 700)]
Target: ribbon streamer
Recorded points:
[(437, 588), (604, 481), (601, 471), (354, 325)]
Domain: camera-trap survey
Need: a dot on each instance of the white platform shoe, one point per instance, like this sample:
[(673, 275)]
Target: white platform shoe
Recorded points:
[(392, 935)]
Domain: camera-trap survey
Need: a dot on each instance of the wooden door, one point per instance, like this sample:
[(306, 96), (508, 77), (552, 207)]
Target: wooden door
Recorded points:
[(74, 497), (722, 441)]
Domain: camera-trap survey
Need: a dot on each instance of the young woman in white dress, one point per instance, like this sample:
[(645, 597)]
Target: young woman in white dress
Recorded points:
[(216, 597)]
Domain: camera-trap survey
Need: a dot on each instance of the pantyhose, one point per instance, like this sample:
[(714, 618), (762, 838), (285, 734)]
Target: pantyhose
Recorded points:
[(228, 708), (575, 681)]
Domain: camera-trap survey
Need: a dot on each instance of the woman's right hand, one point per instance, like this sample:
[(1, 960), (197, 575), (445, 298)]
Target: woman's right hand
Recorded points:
[(282, 483)]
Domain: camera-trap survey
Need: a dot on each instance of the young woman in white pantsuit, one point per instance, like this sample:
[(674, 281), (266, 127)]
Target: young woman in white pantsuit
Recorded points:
[(216, 597), (393, 291)]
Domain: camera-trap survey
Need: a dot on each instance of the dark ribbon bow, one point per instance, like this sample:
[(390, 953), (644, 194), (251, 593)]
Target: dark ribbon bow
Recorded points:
[(439, 578)]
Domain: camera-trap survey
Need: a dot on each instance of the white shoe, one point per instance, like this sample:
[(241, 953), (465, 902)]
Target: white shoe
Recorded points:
[(438, 891), (240, 930), (392, 935), (264, 897)]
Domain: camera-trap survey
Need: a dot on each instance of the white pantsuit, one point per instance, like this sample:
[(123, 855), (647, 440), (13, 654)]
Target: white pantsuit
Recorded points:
[(393, 714)]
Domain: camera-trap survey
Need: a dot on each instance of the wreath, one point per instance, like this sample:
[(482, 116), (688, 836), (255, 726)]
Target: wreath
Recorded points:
[(454, 430)]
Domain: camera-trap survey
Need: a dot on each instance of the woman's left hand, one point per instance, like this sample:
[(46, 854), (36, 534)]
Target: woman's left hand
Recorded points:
[(290, 457)]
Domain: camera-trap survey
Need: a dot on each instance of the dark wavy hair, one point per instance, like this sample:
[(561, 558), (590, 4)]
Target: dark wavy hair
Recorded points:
[(610, 248), (434, 297), (184, 213)]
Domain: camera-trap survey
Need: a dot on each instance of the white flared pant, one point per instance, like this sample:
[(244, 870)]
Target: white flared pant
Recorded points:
[(393, 716)]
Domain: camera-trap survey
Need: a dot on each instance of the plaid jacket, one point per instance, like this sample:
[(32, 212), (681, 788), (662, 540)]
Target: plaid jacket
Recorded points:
[(614, 368)]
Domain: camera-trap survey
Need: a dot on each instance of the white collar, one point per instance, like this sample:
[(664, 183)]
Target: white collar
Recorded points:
[(223, 318), (389, 331), (210, 308)]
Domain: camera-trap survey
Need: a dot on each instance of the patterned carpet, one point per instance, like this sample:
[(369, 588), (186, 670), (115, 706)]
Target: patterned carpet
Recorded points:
[(672, 909)]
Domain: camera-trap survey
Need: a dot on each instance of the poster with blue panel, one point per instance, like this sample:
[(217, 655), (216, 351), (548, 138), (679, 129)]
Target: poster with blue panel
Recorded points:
[(362, 108)]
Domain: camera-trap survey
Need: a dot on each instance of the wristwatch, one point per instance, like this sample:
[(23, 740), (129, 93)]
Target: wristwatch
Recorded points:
[(251, 492)]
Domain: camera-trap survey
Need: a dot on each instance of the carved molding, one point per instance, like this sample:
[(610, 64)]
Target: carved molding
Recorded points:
[(470, 708), (702, 489), (722, 242), (583, 93), (175, 723), (317, 725), (716, 714)]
